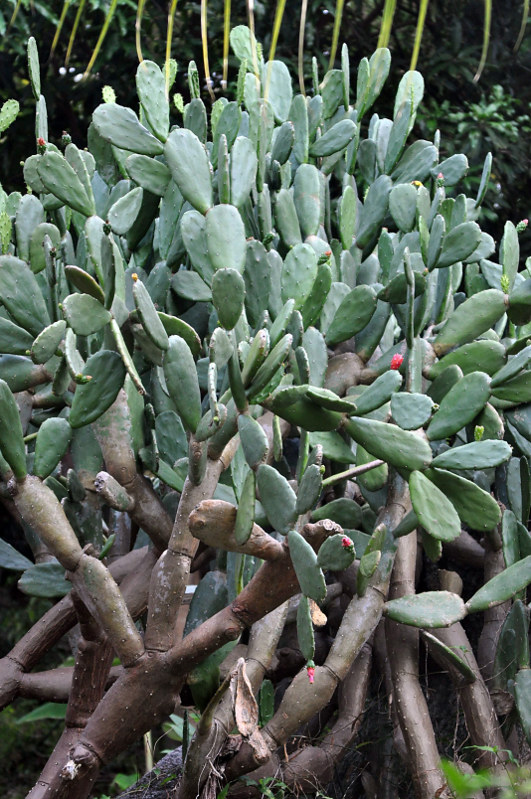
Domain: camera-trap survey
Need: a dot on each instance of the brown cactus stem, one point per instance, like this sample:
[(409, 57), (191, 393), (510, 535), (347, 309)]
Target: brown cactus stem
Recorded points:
[(55, 685), (207, 744), (40, 508), (93, 660), (132, 571), (466, 550), (343, 371), (480, 715), (100, 593), (112, 493), (114, 433), (315, 764), (303, 700), (213, 520), (170, 575), (408, 698), (494, 617)]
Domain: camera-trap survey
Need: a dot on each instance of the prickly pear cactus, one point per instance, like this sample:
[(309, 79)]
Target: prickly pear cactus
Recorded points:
[(278, 329)]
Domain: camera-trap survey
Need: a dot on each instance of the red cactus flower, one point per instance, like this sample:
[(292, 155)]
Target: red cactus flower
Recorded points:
[(396, 361), (346, 542), (311, 673), (41, 142)]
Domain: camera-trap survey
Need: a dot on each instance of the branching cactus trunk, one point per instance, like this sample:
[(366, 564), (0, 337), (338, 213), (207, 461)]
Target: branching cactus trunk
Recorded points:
[(264, 354)]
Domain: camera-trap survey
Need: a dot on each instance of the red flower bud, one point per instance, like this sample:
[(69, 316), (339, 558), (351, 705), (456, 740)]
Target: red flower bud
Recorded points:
[(396, 361), (346, 542), (311, 673), (41, 142)]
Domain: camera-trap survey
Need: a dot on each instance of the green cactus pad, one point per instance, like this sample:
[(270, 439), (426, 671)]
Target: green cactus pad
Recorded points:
[(122, 214), (352, 315), (335, 139), (434, 511), (12, 445), (431, 609), (21, 295), (512, 650), (513, 366), (246, 509), (522, 694), (150, 174), (519, 310), (91, 399), (84, 282), (253, 439), (225, 234), (502, 587), (475, 507), (190, 286), (286, 219), (14, 340), (120, 126), (398, 447), (243, 166), (37, 254), (270, 366), (483, 356), (193, 231), (328, 399), (373, 211), (403, 206), (396, 290), (47, 342), (516, 391), (458, 244), (309, 574), (256, 355), (151, 88), (375, 479), (228, 296), (477, 455), (257, 276), (190, 168), (335, 554), (344, 511), (277, 497), (472, 318), (181, 379), (460, 405), (444, 382), (307, 198), (305, 634), (84, 314), (149, 317), (309, 490), (61, 180), (379, 392), (53, 439), (411, 411)]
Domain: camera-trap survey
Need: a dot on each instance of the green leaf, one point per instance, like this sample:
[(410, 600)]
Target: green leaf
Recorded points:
[(48, 710), (434, 511), (430, 609)]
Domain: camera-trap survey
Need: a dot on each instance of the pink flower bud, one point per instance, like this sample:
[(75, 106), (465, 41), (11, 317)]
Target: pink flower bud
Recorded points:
[(396, 361), (440, 176), (311, 673), (346, 542)]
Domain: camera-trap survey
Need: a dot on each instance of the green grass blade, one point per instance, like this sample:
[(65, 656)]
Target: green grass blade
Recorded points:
[(302, 27), (486, 39), (138, 28), (523, 26), (250, 16), (101, 37), (335, 33), (66, 6), (73, 32), (204, 45), (226, 41), (279, 13), (387, 23), (169, 37), (418, 33), (13, 16)]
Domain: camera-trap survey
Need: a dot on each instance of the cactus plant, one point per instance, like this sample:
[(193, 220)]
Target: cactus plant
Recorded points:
[(280, 280)]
